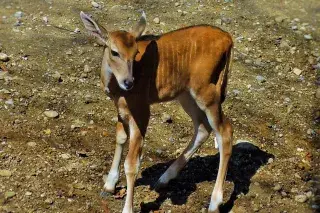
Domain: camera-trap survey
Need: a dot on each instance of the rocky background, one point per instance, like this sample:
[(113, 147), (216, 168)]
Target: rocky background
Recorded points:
[(57, 128)]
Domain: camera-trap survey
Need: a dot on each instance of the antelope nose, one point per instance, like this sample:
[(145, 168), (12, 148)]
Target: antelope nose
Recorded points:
[(128, 84)]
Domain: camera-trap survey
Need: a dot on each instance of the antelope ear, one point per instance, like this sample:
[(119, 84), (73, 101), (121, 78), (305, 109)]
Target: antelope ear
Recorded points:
[(140, 26), (94, 29)]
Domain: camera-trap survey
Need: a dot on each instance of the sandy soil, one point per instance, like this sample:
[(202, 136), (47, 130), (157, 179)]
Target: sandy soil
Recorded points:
[(57, 164)]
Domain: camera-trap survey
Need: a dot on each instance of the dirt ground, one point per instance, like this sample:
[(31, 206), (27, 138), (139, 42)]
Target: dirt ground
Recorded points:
[(57, 164)]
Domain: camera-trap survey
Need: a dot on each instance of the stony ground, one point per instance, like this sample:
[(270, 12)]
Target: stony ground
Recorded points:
[(57, 127)]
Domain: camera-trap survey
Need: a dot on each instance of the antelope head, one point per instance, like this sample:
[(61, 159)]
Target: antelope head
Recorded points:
[(120, 49)]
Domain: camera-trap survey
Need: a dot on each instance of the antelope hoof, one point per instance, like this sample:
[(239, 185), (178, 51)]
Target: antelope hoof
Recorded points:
[(110, 182)]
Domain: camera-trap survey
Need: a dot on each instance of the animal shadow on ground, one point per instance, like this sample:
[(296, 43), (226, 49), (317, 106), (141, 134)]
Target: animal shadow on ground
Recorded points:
[(246, 159)]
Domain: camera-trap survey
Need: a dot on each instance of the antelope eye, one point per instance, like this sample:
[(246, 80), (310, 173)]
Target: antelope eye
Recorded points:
[(114, 53)]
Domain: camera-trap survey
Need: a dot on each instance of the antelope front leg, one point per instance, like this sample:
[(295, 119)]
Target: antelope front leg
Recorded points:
[(132, 163), (114, 173)]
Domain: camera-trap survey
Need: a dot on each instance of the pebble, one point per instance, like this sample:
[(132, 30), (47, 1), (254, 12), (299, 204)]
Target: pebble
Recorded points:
[(248, 61), (177, 4), (88, 99), (280, 19), (87, 68), (301, 198), (218, 21), (32, 144), (51, 114), (65, 156), (28, 193), (8, 195), (297, 71), (284, 45), (307, 37), (56, 75), (260, 79), (236, 92), (77, 30), (49, 201), (318, 93), (5, 173), (77, 124), (95, 4), (9, 102), (69, 52), (156, 20), (4, 57), (270, 160), (184, 13), (277, 187), (18, 14), (166, 118)]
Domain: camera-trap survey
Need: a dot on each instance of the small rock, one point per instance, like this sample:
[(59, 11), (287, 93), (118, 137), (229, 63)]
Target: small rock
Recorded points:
[(280, 19), (5, 173), (260, 79), (57, 76), (78, 186), (88, 99), (49, 201), (297, 71), (8, 195), (184, 13), (18, 14), (95, 4), (84, 75), (45, 19), (218, 21), (309, 194), (177, 4), (301, 198), (65, 156), (77, 124), (4, 57), (277, 187), (318, 93), (28, 193), (9, 102), (51, 114), (77, 30), (236, 92), (270, 160), (156, 20), (166, 118), (32, 144), (284, 45), (69, 52), (248, 61), (307, 37), (87, 68)]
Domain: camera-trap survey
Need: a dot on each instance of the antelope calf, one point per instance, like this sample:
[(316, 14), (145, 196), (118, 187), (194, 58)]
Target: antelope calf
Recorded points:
[(191, 65)]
